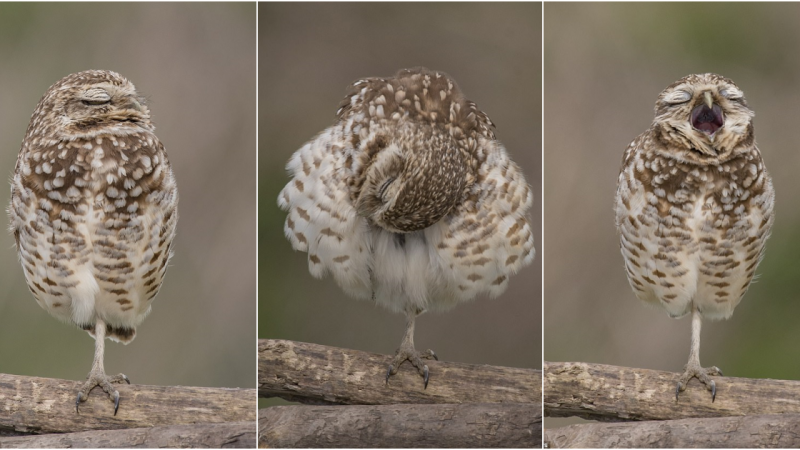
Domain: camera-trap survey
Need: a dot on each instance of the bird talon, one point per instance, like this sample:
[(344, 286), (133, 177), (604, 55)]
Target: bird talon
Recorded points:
[(677, 390), (116, 402), (425, 375), (78, 403), (388, 374), (713, 391)]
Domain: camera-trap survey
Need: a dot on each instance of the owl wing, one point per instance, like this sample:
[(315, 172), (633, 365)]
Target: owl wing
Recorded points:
[(147, 210), (636, 226), (488, 237), (322, 220), (733, 241)]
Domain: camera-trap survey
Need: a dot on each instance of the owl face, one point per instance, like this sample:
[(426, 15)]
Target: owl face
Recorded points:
[(703, 119), (414, 139), (90, 102)]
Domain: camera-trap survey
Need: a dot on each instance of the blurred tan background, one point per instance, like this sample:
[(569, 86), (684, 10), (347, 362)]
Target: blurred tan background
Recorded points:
[(604, 66), (308, 55), (196, 65)]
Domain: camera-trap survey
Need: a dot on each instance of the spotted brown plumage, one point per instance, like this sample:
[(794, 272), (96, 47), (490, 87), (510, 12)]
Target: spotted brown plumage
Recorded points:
[(94, 209), (694, 206), (409, 200)]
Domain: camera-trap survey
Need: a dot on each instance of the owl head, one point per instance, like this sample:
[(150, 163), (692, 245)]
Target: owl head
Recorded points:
[(703, 119), (416, 139), (414, 180), (85, 104)]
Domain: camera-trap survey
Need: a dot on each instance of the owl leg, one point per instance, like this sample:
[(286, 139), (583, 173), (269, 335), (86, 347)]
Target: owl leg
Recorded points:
[(693, 368), (97, 376), (407, 352)]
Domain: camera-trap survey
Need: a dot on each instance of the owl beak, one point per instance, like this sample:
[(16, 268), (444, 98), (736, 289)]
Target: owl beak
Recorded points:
[(708, 99)]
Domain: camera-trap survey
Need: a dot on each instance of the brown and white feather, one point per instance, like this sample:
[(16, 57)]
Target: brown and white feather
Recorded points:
[(94, 204), (693, 209), (409, 199)]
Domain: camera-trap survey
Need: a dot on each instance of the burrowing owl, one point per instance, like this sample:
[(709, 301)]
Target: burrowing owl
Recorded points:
[(409, 200), (93, 210), (694, 207)]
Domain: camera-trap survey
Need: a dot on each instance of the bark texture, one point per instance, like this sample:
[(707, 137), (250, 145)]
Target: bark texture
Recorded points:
[(32, 405), (317, 374), (611, 393), (769, 431), (504, 425), (205, 435)]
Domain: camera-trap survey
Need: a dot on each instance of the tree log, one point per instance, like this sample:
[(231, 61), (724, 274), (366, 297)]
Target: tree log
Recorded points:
[(769, 431), (317, 374), (206, 435), (503, 425), (611, 393), (32, 405)]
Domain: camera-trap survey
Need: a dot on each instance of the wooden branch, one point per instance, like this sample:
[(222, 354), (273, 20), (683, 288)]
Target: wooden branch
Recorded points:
[(611, 393), (503, 425), (206, 435), (32, 405), (317, 374), (772, 431)]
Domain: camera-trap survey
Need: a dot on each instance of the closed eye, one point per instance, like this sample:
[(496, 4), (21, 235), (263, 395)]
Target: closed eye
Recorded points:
[(731, 94), (385, 186), (678, 97), (95, 102)]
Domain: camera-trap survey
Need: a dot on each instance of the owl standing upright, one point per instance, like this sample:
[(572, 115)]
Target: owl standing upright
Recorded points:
[(93, 211), (694, 207), (408, 200)]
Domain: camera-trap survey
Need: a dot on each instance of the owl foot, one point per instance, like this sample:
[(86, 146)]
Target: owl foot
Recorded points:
[(695, 371), (99, 378), (411, 355)]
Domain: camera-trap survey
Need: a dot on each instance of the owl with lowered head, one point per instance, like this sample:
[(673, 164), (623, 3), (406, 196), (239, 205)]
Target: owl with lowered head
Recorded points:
[(694, 207), (410, 201), (93, 211)]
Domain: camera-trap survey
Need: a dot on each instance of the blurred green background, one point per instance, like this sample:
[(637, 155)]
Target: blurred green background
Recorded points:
[(308, 55), (195, 63), (604, 66)]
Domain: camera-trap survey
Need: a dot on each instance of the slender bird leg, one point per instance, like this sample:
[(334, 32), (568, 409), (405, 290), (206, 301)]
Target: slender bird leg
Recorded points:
[(692, 368), (97, 376), (407, 352)]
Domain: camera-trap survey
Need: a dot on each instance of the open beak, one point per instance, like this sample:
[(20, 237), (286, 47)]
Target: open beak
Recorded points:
[(707, 117)]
